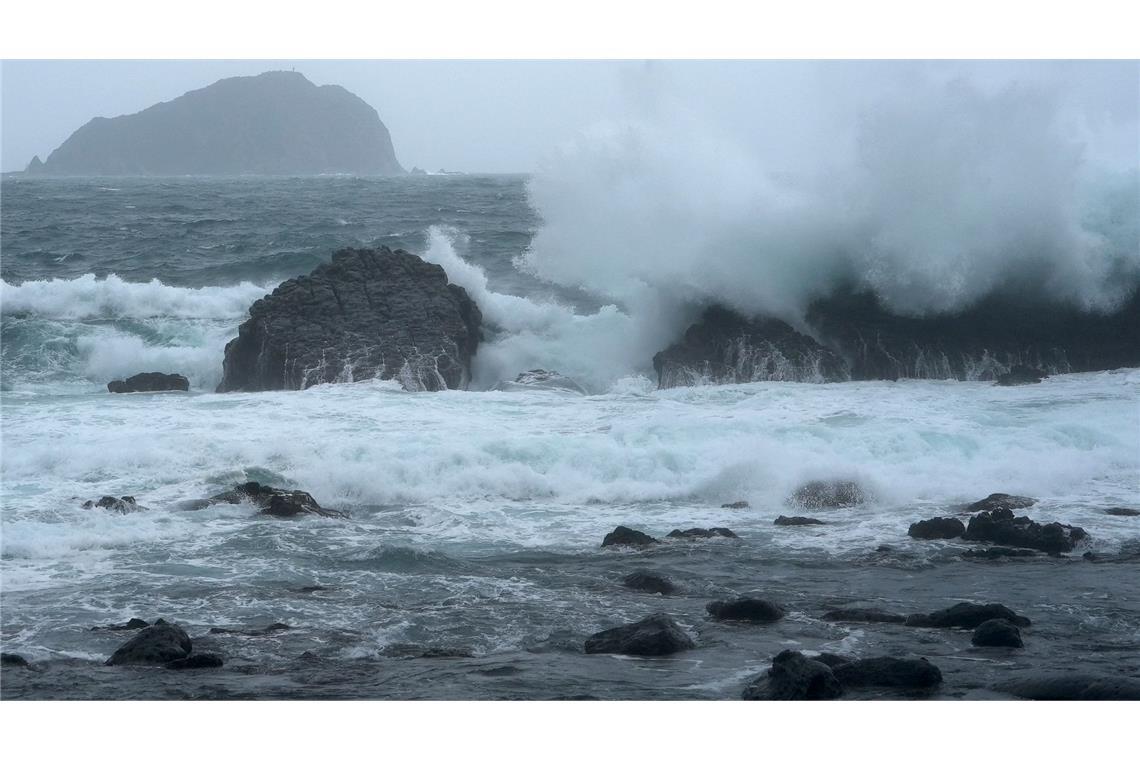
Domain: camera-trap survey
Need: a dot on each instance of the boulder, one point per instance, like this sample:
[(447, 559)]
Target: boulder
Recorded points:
[(797, 520), (936, 527), (650, 582), (654, 636), (1021, 374), (195, 662), (12, 660), (999, 526), (735, 505), (155, 645), (996, 500), (623, 536), (275, 502), (966, 615), (702, 533), (828, 494), (367, 314), (745, 610), (795, 677), (149, 381), (863, 615), (889, 672), (131, 625), (1073, 687), (122, 505), (540, 380), (997, 633), (1122, 512)]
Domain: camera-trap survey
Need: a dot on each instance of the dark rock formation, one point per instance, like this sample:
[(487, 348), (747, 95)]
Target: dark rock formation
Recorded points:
[(998, 552), (735, 505), (131, 625), (863, 615), (266, 631), (149, 381), (790, 521), (889, 672), (12, 660), (936, 527), (1072, 688), (195, 662), (1122, 512), (702, 533), (623, 536), (654, 636), (275, 123), (725, 347), (651, 582), (540, 380), (999, 526), (1021, 375), (795, 677), (966, 615), (997, 633), (828, 494), (122, 505), (745, 610), (275, 502), (366, 314), (155, 645), (999, 500)]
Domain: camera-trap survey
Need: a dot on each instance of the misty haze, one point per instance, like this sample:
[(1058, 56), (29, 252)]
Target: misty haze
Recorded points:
[(570, 379)]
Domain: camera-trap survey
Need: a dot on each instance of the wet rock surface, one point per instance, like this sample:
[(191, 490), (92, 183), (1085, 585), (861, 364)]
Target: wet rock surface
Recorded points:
[(149, 381), (1072, 688), (795, 677), (890, 672), (155, 645), (1000, 500), (540, 380), (654, 636), (936, 527), (623, 536), (275, 502), (997, 633), (797, 520), (745, 610), (1000, 526), (653, 583), (966, 615), (120, 505), (692, 533)]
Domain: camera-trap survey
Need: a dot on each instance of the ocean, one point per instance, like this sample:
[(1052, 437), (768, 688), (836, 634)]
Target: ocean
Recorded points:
[(476, 517)]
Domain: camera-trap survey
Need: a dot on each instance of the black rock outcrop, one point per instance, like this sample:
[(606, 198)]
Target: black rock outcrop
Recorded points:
[(654, 636), (155, 645), (149, 381), (795, 677), (701, 533), (653, 583), (997, 633), (623, 536), (996, 500), (999, 526), (745, 610), (797, 520), (936, 527), (275, 123), (122, 505), (275, 502), (966, 615), (366, 314)]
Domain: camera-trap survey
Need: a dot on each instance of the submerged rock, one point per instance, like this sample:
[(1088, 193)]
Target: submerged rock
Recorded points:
[(889, 672), (274, 501), (418, 651), (540, 380), (735, 505), (123, 505), (623, 536), (651, 582), (266, 631), (795, 677), (746, 610), (936, 527), (367, 314), (999, 526), (997, 633), (996, 500), (1122, 512), (1021, 375), (155, 645), (702, 533), (131, 625), (195, 662), (1072, 688), (12, 660), (828, 494), (149, 381), (654, 636), (863, 615), (791, 521), (966, 615)]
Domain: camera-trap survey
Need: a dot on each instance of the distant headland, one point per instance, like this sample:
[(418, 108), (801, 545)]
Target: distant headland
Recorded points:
[(274, 123)]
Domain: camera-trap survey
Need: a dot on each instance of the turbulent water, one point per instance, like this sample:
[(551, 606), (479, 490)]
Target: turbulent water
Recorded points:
[(476, 517)]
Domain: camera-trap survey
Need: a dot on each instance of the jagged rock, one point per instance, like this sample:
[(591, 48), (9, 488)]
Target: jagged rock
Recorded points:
[(1021, 375), (195, 662), (863, 615), (997, 633), (540, 379), (702, 533), (623, 536), (795, 677), (123, 505), (996, 500), (651, 582), (889, 672), (746, 610), (828, 494), (1122, 512), (149, 381), (274, 501), (998, 552), (999, 526), (654, 636), (966, 615), (790, 521), (131, 625), (936, 527), (155, 645), (725, 347), (11, 660), (366, 314), (735, 505), (266, 631), (1070, 687)]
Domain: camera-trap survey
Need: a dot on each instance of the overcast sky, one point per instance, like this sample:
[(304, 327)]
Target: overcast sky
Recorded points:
[(504, 116)]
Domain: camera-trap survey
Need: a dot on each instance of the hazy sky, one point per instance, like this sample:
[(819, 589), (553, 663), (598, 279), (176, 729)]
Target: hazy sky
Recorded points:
[(505, 116)]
